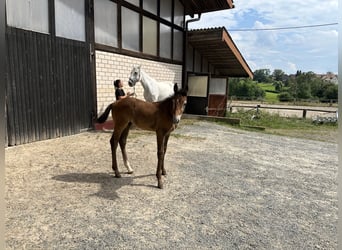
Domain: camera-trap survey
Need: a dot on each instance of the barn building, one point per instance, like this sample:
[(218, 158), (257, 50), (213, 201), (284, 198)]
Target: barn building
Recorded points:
[(63, 56)]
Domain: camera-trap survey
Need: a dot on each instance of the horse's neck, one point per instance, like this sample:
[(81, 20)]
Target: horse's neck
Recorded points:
[(150, 86), (146, 80)]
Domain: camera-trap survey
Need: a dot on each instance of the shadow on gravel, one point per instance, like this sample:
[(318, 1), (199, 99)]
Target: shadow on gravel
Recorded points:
[(108, 182)]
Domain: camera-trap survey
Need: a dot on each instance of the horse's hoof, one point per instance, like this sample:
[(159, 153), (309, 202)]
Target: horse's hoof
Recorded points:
[(160, 185), (130, 172), (118, 175)]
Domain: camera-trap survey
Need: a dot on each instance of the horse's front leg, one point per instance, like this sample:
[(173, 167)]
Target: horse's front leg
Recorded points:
[(114, 145), (166, 139), (160, 153), (122, 142)]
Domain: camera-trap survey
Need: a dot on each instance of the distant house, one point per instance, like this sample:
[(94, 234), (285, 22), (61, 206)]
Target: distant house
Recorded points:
[(330, 77), (63, 56)]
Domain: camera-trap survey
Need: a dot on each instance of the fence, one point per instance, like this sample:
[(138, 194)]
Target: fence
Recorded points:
[(304, 110)]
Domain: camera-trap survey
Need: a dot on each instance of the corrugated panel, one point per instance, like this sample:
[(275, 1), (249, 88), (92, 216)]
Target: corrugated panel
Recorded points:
[(200, 6), (49, 91)]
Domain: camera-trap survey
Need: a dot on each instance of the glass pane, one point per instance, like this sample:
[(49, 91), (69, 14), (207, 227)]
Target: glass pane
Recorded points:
[(149, 36), (150, 6), (178, 45), (166, 9), (29, 15), (135, 2), (130, 29), (179, 13), (70, 21), (218, 86), (105, 16), (197, 86), (165, 41)]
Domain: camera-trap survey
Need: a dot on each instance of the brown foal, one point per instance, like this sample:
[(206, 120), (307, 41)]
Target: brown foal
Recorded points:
[(161, 117)]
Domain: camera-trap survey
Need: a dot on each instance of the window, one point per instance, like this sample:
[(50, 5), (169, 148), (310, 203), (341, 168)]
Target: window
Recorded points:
[(28, 14), (130, 29), (198, 86), (105, 15), (165, 41), (179, 14), (70, 20), (147, 27), (135, 2), (218, 86), (150, 6), (177, 45), (149, 36), (166, 10)]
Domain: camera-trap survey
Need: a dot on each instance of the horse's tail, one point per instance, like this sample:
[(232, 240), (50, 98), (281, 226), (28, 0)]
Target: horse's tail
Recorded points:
[(105, 114)]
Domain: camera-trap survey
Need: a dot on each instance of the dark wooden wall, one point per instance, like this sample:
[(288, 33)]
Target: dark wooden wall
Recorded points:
[(49, 92), (217, 105), (196, 105)]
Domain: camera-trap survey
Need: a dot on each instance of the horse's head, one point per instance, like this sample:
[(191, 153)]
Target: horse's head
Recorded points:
[(179, 102), (135, 76)]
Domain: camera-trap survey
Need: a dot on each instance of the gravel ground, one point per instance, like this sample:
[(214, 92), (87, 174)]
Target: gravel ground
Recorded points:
[(225, 189)]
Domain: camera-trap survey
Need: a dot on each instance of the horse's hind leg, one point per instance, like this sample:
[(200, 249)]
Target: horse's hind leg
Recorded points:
[(122, 142), (114, 145)]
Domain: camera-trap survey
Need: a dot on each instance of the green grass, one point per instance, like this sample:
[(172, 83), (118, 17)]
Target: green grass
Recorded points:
[(266, 86), (270, 96), (293, 127)]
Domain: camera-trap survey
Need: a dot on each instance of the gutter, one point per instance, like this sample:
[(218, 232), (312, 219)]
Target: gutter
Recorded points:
[(184, 74)]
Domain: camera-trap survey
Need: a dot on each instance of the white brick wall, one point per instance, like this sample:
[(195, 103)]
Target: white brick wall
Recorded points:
[(110, 66)]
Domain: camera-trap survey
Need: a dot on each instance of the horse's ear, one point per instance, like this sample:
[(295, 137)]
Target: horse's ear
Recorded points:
[(175, 88)]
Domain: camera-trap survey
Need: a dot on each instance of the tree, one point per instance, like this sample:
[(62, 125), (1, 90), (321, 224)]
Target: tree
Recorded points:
[(317, 87), (262, 75), (331, 92), (278, 75), (285, 97), (278, 86), (245, 89), (300, 86)]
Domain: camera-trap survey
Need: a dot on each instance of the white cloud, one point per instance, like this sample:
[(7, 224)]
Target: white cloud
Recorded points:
[(306, 49), (292, 67)]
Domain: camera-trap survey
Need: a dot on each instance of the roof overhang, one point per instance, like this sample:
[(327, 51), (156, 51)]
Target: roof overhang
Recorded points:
[(192, 7), (218, 48)]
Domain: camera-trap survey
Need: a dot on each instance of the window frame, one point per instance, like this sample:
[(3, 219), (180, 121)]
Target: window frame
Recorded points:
[(73, 36), (143, 13), (52, 22), (29, 27)]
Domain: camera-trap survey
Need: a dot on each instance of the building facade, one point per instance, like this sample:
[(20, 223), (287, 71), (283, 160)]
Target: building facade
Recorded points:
[(63, 56)]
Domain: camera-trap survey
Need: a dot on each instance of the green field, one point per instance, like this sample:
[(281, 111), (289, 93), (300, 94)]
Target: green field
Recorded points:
[(293, 127), (270, 97)]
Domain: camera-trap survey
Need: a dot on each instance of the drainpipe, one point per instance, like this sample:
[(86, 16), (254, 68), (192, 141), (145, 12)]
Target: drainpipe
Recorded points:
[(185, 83)]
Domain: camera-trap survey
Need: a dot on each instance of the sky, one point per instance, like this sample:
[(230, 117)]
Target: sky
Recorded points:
[(307, 49)]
